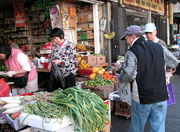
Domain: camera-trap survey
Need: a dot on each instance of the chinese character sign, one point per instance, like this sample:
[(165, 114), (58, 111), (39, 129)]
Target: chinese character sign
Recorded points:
[(19, 14), (153, 5)]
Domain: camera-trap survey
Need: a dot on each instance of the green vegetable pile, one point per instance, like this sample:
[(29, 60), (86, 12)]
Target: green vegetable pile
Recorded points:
[(46, 110), (83, 106), (3, 68), (98, 82)]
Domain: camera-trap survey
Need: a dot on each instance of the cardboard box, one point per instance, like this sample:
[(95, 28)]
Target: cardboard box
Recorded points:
[(123, 109), (102, 91), (72, 11), (100, 59), (39, 122), (91, 59)]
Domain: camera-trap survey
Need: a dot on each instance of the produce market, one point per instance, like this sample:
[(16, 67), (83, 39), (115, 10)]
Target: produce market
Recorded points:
[(65, 65)]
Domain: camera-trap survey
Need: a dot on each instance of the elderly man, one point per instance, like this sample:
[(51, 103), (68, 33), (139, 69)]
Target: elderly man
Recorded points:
[(144, 69), (150, 32)]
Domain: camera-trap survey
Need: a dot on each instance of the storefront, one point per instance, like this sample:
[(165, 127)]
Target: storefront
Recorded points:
[(79, 19), (139, 13), (176, 24)]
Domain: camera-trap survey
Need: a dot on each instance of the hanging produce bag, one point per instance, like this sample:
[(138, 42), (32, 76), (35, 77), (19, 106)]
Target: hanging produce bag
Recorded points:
[(56, 78), (171, 99), (4, 88)]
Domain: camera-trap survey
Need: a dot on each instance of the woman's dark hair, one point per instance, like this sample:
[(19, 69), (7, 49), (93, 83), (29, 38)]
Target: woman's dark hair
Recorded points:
[(10, 38), (57, 32), (5, 49)]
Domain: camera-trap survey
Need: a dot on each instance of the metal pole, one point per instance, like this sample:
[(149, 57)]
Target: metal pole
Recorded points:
[(108, 16)]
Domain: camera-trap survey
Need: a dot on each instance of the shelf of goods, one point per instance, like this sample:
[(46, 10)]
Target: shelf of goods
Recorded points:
[(85, 28)]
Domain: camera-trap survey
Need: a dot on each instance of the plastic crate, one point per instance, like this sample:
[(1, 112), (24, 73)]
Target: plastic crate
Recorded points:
[(14, 123), (84, 72), (4, 88)]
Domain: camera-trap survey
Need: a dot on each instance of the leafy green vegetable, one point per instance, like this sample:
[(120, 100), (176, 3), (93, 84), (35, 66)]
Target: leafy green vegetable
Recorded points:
[(84, 107)]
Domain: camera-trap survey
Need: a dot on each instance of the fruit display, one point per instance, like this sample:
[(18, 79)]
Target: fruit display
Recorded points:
[(83, 65), (109, 35), (98, 81), (80, 48), (84, 48)]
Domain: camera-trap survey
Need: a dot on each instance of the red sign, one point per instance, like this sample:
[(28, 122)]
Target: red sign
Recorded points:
[(19, 14)]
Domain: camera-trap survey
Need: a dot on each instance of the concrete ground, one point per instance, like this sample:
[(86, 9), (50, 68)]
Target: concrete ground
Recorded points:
[(120, 123)]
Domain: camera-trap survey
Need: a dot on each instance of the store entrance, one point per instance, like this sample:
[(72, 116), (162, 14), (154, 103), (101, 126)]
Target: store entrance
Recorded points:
[(140, 18)]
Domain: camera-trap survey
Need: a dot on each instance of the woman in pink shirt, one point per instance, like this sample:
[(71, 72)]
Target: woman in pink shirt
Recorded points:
[(18, 64)]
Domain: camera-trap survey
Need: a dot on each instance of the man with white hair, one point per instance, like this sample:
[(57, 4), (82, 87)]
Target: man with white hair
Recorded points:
[(151, 32)]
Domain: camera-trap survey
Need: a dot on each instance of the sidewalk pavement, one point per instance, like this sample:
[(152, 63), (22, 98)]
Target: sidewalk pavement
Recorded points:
[(120, 123)]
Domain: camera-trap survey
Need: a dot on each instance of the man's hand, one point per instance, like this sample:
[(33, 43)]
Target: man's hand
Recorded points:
[(10, 73)]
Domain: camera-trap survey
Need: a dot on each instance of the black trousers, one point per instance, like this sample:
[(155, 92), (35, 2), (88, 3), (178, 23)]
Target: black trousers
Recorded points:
[(70, 81)]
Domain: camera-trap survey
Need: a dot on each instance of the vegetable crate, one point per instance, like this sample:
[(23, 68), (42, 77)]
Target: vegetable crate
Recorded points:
[(102, 91), (44, 124), (14, 123)]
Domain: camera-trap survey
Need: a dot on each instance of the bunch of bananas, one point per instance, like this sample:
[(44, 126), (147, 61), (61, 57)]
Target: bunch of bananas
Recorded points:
[(81, 47), (83, 65), (109, 35)]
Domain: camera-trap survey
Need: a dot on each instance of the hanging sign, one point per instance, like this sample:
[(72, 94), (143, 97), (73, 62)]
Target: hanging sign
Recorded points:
[(19, 14), (102, 24), (55, 16), (153, 5), (176, 8)]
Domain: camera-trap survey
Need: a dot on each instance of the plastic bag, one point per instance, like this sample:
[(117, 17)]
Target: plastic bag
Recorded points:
[(171, 99), (4, 88), (56, 78)]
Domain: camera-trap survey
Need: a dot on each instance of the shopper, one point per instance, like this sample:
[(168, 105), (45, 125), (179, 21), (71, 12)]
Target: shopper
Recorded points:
[(12, 43), (18, 64), (144, 68), (64, 56), (151, 32)]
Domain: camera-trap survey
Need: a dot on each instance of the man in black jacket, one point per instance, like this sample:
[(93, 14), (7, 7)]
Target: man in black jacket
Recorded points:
[(145, 67)]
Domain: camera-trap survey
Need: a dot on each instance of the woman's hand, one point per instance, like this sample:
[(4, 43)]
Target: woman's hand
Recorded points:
[(56, 62)]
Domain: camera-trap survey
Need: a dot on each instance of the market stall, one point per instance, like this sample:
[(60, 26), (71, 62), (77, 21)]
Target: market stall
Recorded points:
[(69, 109)]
